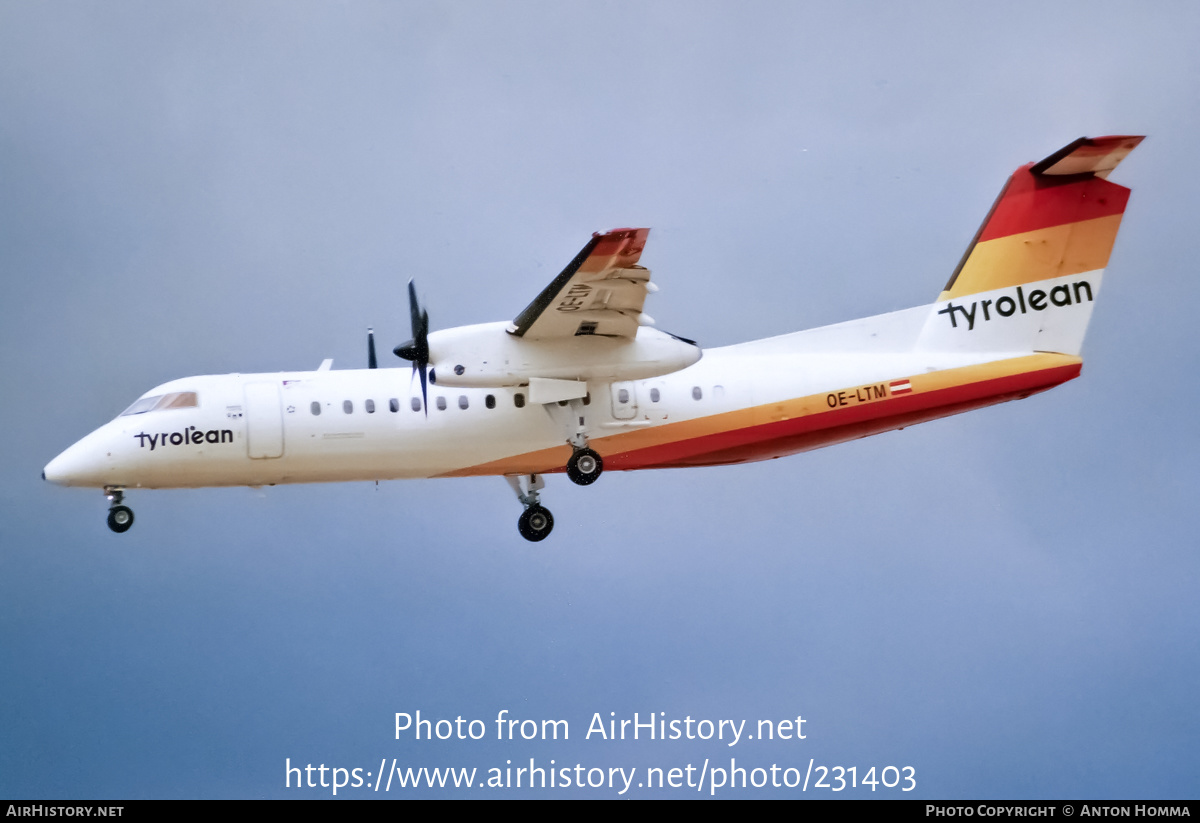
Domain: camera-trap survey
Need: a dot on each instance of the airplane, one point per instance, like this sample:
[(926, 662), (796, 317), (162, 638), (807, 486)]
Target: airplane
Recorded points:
[(581, 382)]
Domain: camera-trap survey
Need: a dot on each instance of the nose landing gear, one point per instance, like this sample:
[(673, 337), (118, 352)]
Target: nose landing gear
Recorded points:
[(120, 518)]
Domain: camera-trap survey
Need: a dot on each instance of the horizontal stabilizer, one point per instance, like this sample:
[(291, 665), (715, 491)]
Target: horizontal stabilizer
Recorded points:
[(1098, 155)]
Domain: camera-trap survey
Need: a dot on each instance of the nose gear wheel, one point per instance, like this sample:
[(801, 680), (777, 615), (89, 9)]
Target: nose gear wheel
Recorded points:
[(120, 518)]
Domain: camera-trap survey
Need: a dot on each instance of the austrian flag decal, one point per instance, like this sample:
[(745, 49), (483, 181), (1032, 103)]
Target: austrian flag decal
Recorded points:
[(900, 387)]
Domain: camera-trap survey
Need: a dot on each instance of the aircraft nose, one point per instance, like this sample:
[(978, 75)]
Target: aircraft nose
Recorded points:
[(79, 465), (59, 470)]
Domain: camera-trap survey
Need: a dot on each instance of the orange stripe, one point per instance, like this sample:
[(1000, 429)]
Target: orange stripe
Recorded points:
[(803, 423), (1037, 255)]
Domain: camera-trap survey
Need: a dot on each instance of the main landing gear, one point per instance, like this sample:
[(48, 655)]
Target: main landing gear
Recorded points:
[(536, 522), (120, 518), (585, 466)]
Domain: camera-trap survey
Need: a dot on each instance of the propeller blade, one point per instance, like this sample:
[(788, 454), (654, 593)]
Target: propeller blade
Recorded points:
[(417, 349), (682, 339), (414, 309), (371, 362)]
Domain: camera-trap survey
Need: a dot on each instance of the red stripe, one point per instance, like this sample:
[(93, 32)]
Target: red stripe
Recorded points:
[(620, 241), (838, 425), (1037, 202)]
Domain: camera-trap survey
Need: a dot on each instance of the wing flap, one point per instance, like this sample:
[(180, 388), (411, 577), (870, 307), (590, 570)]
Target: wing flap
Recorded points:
[(600, 292)]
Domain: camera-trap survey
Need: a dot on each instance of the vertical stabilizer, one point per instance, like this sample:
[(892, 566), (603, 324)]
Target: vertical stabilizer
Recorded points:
[(1030, 277)]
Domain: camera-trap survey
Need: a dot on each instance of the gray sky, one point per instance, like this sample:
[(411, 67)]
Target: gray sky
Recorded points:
[(1004, 600)]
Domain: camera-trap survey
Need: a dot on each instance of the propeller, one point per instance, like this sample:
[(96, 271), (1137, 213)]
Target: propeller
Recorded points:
[(371, 362), (417, 349), (681, 339)]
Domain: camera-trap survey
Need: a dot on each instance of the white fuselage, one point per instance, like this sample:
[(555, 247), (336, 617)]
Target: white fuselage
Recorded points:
[(580, 382), (368, 424)]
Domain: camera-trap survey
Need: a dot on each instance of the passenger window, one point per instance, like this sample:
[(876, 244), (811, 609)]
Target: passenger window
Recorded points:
[(394, 405), (416, 404), (463, 402), (519, 400), (348, 407), (696, 393), (315, 408), (623, 395), (441, 404), (654, 396), (370, 406), (490, 401)]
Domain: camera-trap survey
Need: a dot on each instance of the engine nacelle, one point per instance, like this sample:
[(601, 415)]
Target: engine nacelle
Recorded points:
[(486, 356)]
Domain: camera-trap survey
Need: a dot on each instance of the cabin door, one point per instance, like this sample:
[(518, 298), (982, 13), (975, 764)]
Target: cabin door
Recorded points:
[(624, 401), (264, 420)]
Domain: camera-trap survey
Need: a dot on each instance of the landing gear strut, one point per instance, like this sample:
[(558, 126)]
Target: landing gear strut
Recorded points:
[(120, 518), (536, 522)]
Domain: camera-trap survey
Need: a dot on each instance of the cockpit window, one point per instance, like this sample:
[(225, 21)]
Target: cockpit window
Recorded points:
[(174, 400)]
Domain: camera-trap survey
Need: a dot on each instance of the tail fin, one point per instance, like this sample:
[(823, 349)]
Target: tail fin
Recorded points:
[(1033, 271)]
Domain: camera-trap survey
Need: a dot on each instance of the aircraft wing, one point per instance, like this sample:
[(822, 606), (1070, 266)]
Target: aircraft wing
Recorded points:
[(600, 292)]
